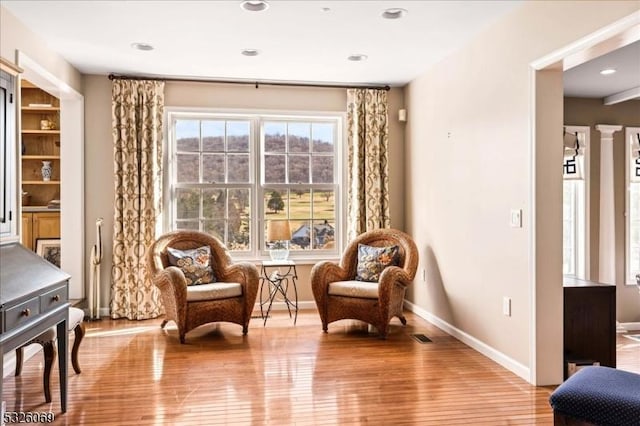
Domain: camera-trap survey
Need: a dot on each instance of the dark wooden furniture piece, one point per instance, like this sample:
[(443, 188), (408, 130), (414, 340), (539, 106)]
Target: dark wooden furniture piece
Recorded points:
[(33, 298), (589, 323)]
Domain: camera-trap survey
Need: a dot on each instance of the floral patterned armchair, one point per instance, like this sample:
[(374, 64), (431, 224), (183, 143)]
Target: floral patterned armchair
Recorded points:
[(199, 283), (370, 282)]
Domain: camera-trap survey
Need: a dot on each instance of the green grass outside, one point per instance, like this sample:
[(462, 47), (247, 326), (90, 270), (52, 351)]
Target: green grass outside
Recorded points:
[(300, 207)]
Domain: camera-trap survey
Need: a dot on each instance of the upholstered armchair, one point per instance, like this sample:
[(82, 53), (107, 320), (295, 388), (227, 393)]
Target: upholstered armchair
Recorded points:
[(227, 292), (350, 291)]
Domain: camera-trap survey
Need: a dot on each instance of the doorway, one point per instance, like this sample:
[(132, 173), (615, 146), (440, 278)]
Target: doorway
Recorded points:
[(546, 199), (71, 154)]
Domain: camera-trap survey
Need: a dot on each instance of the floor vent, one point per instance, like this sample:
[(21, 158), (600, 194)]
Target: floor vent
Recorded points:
[(421, 338), (259, 317)]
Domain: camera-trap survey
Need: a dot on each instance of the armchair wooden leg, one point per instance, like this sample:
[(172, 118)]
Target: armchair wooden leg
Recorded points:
[(245, 329), (164, 322), (49, 349), (19, 359), (383, 331), (182, 337), (79, 335), (403, 320)]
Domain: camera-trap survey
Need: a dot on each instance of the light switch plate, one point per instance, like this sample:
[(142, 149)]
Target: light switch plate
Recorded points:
[(516, 218), (506, 306)]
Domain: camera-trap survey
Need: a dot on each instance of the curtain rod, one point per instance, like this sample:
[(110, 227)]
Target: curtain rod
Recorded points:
[(256, 83)]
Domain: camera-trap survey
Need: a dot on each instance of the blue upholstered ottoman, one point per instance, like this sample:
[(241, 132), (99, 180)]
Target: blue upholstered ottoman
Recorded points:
[(600, 396)]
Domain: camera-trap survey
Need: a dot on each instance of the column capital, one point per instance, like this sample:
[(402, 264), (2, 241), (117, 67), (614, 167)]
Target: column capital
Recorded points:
[(608, 129)]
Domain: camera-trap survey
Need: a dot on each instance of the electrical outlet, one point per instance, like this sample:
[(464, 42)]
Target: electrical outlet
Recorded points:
[(424, 274), (506, 306)]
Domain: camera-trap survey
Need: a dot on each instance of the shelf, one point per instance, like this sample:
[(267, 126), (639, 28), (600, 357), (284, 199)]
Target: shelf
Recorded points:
[(45, 110), (41, 182), (38, 144), (40, 157), (40, 132), (39, 209)]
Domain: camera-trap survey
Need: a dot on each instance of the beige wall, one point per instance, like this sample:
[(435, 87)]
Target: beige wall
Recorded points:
[(589, 112), (99, 149), (15, 36), (468, 163)]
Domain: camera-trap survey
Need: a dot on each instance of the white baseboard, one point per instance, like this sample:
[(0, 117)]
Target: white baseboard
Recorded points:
[(102, 312), (281, 306), (630, 326), (277, 306), (488, 351), (9, 359)]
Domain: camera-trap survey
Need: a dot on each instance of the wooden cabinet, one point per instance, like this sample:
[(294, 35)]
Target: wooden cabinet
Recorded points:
[(26, 230), (40, 141), (589, 322), (39, 225)]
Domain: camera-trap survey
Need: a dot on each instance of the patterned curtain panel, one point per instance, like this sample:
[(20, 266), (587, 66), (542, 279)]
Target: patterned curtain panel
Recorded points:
[(137, 108), (368, 161)]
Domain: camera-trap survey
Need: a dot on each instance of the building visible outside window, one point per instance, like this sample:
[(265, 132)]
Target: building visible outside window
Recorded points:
[(632, 214), (230, 175), (575, 201)]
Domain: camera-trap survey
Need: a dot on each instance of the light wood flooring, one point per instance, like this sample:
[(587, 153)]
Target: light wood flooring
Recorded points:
[(281, 374)]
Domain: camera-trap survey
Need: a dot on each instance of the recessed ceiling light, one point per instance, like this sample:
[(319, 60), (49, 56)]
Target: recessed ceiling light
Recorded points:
[(394, 13), (254, 5), (608, 71), (326, 9), (250, 52), (357, 57), (142, 46)]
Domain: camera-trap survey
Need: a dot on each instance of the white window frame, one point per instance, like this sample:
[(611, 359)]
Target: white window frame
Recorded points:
[(256, 117), (581, 203), (630, 135)]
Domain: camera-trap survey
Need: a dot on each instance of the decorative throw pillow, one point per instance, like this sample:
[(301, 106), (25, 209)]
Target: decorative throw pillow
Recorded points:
[(373, 260), (194, 264)]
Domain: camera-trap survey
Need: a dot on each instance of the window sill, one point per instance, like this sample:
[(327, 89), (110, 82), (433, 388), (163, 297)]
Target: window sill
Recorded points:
[(298, 261)]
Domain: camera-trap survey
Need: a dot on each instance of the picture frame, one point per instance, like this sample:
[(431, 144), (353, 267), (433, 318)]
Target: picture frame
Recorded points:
[(49, 249)]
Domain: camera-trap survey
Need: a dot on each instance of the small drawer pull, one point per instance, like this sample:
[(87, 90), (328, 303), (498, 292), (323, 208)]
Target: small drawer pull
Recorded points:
[(56, 298), (26, 312)]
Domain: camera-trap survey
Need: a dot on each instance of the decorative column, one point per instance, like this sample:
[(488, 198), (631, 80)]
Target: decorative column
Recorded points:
[(607, 258)]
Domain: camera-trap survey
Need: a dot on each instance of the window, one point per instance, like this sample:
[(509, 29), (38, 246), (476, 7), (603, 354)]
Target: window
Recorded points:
[(7, 154), (229, 175), (298, 180), (572, 227), (632, 213), (575, 201)]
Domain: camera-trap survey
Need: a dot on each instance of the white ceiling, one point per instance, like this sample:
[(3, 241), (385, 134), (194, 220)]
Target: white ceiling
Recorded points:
[(585, 81), (298, 40)]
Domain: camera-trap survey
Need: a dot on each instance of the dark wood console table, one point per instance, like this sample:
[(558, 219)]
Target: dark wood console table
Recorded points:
[(589, 322), (33, 298)]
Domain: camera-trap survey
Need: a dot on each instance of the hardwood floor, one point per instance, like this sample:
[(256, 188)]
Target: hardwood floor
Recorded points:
[(136, 373), (628, 352)]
